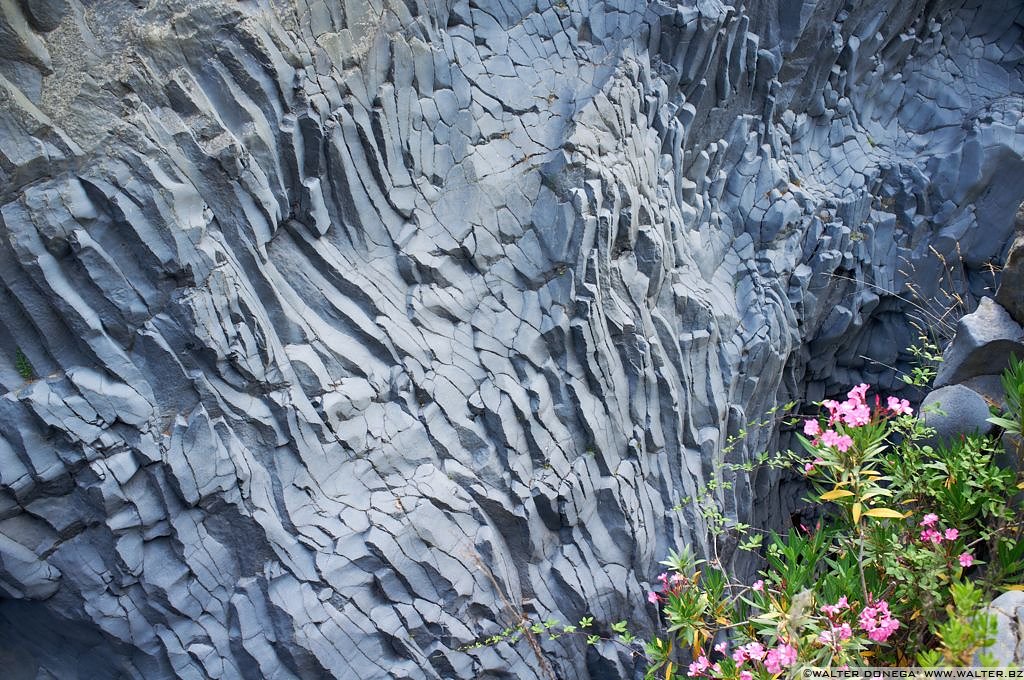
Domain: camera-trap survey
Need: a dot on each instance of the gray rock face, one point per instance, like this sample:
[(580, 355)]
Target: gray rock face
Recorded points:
[(337, 335), (985, 340), (1011, 284), (955, 411), (1008, 649)]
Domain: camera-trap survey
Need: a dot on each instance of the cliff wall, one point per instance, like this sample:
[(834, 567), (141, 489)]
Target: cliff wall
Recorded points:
[(336, 334)]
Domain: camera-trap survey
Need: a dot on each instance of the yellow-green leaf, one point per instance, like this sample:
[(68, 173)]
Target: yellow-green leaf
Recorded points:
[(856, 512), (835, 493), (1016, 587), (884, 512)]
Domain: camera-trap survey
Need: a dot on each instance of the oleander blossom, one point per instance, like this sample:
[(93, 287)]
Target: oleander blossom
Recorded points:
[(809, 467), (951, 534), (899, 406), (832, 438), (781, 657), (929, 520), (853, 412), (877, 621), (931, 535), (835, 635), (752, 651), (858, 393), (698, 667), (966, 559), (834, 609), (812, 428)]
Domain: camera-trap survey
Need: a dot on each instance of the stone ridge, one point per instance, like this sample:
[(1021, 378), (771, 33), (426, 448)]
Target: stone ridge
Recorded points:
[(337, 335)]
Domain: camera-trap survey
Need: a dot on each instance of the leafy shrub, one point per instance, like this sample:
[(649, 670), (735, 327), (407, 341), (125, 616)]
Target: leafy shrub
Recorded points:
[(913, 541), (23, 366), (893, 575)]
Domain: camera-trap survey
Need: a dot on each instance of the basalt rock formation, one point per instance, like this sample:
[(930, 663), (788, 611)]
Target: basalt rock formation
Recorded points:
[(337, 334)]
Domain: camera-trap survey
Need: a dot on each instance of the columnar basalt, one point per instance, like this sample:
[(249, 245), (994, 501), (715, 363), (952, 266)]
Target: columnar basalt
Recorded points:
[(337, 334)]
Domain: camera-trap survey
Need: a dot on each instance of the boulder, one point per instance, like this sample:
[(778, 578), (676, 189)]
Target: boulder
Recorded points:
[(984, 341), (955, 411), (990, 387), (45, 15), (1010, 293), (1008, 648)]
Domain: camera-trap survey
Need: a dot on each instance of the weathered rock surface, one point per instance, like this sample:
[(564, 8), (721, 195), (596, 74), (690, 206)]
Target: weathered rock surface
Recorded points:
[(984, 342), (1008, 649), (337, 333), (955, 411), (1011, 281)]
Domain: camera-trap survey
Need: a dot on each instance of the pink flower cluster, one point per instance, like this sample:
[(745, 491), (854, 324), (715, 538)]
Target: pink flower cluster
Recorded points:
[(774, 660), (834, 609), (781, 657), (701, 666), (835, 635), (668, 583), (752, 651), (877, 621), (854, 412), (899, 406), (931, 534)]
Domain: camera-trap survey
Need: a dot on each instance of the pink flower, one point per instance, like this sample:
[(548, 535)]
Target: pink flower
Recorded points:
[(877, 621), (754, 651), (833, 609), (951, 534), (899, 406), (758, 586), (833, 410), (652, 597), (699, 666), (676, 578), (746, 675), (966, 559), (809, 467), (833, 438), (781, 657), (858, 393), (721, 647), (812, 428), (835, 635), (929, 520), (663, 577), (854, 414), (931, 535), (884, 630)]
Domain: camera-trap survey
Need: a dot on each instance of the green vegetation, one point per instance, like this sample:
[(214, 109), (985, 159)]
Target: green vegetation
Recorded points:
[(913, 541), (23, 365)]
